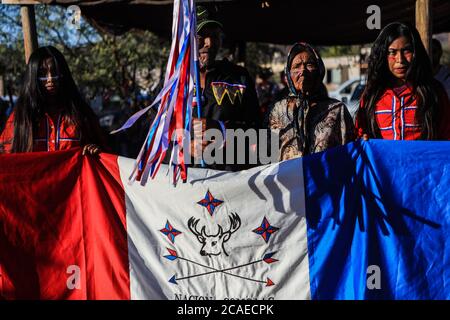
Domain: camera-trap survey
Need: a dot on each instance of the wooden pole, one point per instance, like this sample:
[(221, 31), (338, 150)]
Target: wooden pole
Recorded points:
[(424, 20), (2, 87), (29, 30)]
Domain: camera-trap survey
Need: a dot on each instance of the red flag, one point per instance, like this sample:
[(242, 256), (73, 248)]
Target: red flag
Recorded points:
[(62, 227)]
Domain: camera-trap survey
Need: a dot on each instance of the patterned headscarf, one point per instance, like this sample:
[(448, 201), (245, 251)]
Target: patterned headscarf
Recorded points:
[(299, 113), (296, 49)]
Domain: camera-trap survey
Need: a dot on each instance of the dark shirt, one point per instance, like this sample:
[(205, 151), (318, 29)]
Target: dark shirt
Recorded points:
[(230, 97)]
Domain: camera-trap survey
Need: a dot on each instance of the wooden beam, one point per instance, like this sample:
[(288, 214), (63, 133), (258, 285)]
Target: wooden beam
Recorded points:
[(29, 30), (424, 20)]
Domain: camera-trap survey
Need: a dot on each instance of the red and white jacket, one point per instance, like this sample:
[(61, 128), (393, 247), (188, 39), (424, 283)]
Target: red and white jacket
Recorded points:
[(395, 114), (51, 135)]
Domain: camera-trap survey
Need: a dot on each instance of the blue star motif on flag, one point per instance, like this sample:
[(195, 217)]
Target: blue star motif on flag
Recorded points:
[(210, 203), (266, 230), (170, 232)]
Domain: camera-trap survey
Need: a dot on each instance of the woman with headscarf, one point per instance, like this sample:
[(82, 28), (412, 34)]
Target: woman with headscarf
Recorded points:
[(50, 113), (307, 119), (401, 100)]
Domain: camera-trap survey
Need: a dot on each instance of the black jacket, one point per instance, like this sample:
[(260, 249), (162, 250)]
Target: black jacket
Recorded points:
[(229, 96), (223, 100)]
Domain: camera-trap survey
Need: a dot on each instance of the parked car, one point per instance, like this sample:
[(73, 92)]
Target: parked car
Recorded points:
[(345, 90), (353, 103)]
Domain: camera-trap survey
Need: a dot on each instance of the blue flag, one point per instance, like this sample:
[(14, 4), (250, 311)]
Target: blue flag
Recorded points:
[(378, 217)]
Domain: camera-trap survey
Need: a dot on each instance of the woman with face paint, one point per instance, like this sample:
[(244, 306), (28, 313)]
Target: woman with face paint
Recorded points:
[(307, 119), (50, 113), (402, 101)]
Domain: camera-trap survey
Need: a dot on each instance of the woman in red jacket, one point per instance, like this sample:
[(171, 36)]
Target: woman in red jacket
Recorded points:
[(402, 101), (50, 113)]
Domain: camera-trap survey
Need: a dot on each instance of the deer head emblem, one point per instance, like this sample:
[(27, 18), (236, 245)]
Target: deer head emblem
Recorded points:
[(213, 245)]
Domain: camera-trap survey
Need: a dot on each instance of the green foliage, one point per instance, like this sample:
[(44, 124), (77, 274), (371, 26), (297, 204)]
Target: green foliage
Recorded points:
[(260, 54), (336, 51), (11, 47), (99, 62)]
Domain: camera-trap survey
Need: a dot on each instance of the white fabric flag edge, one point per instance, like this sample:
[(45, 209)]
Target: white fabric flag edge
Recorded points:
[(148, 246)]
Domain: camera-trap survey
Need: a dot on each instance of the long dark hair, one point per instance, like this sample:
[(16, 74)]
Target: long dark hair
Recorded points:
[(419, 76), (31, 104)]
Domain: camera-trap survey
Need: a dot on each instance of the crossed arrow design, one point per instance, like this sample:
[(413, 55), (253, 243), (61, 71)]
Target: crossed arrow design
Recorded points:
[(173, 255)]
